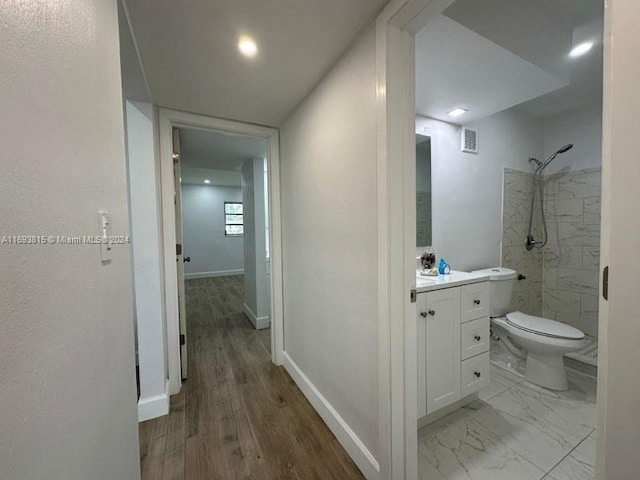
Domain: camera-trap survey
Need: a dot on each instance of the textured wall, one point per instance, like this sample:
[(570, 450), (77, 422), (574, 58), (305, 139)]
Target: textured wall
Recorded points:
[(67, 382)]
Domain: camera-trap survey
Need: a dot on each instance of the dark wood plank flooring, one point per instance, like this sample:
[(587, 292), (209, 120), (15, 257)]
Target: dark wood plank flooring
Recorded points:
[(238, 416)]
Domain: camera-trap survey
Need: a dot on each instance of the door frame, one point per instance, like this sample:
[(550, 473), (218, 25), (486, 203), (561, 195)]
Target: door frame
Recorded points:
[(167, 119), (396, 27)]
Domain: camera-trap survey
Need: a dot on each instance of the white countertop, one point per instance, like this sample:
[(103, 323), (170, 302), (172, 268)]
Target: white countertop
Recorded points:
[(453, 279)]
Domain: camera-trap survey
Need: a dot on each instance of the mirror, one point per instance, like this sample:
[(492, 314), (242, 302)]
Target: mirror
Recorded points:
[(423, 191)]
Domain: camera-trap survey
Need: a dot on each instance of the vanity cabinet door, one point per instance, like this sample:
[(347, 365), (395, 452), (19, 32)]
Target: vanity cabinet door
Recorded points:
[(441, 314)]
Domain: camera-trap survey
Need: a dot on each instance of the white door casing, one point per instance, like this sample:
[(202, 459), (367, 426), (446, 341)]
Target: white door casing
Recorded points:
[(167, 120), (182, 308)]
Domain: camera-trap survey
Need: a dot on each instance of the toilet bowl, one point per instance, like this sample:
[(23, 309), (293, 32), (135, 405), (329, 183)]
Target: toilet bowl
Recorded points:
[(543, 341)]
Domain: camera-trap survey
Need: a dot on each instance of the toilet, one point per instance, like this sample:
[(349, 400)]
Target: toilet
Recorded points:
[(542, 341)]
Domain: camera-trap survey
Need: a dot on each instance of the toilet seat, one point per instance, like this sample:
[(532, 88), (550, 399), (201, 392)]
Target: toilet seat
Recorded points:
[(543, 326)]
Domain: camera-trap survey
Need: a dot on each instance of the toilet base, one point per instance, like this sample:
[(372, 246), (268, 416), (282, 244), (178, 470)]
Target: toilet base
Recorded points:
[(546, 370)]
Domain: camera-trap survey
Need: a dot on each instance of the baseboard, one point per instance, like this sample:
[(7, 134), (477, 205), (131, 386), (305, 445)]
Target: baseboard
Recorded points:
[(220, 273), (363, 458), (154, 407), (258, 322)]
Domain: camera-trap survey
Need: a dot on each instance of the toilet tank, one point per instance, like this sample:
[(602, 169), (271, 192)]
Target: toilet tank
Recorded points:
[(500, 288)]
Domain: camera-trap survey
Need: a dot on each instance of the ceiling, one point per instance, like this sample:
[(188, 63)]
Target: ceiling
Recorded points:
[(216, 157), (217, 178), (218, 151), (188, 50), (495, 54)]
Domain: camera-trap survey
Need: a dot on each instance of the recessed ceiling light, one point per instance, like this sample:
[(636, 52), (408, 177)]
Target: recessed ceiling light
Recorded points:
[(580, 49), (247, 46), (456, 112), (207, 181)]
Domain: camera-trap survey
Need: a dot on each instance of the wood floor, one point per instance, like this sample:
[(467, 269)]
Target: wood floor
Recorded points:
[(237, 416)]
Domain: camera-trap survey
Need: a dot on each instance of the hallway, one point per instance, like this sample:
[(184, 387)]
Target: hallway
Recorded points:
[(238, 416)]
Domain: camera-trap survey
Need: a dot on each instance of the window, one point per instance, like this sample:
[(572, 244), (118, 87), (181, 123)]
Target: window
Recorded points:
[(233, 219)]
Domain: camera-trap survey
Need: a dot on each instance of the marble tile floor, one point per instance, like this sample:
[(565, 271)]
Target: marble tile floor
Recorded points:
[(515, 431)]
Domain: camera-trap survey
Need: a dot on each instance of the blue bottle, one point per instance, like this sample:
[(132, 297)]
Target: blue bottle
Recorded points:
[(443, 267)]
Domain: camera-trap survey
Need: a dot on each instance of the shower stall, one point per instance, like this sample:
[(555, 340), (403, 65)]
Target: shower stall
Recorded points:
[(551, 236)]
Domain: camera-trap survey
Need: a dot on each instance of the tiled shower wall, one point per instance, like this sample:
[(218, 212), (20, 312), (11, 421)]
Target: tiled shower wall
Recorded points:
[(571, 258), (562, 278), (527, 293)]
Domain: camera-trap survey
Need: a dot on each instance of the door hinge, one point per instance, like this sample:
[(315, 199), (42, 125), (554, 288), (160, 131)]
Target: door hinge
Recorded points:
[(413, 295), (605, 283), (182, 339), (178, 249)]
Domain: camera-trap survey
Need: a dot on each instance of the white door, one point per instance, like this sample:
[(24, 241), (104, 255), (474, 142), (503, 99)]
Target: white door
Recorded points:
[(442, 354), (180, 258)]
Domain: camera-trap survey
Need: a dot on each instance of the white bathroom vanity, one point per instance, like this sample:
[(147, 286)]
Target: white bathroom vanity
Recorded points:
[(453, 339)]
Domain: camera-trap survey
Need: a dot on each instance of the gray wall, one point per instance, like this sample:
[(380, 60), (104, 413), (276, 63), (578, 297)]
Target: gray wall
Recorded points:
[(68, 408), (212, 252), (329, 231)]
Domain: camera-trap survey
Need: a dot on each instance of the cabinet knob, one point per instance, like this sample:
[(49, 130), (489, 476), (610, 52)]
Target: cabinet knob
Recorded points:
[(477, 301), (478, 338), (477, 374), (423, 314), (432, 312)]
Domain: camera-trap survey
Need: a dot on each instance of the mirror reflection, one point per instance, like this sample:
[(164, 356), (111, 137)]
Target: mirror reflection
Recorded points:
[(423, 191)]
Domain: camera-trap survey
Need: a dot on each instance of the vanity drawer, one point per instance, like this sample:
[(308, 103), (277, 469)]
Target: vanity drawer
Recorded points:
[(475, 301), (474, 338), (475, 373)]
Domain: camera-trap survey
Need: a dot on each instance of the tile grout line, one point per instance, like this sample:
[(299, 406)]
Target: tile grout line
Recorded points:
[(570, 452)]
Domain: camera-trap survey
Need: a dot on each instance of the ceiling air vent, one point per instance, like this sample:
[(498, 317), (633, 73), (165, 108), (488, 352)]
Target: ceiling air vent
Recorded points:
[(469, 140)]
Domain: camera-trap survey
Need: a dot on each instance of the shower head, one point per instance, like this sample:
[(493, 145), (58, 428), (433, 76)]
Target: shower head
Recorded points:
[(566, 148), (563, 149)]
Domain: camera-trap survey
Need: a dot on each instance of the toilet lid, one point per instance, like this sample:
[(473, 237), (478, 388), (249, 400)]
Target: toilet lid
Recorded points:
[(543, 326)]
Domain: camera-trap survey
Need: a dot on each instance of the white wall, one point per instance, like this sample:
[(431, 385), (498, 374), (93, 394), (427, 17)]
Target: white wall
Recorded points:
[(212, 252), (256, 281), (68, 407), (581, 126), (330, 251), (145, 232), (467, 188)]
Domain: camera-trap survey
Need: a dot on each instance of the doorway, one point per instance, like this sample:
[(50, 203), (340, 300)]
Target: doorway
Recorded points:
[(397, 74), (195, 129), (222, 229)]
